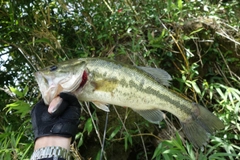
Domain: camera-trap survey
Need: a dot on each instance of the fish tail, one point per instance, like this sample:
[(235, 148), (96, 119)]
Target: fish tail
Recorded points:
[(201, 124)]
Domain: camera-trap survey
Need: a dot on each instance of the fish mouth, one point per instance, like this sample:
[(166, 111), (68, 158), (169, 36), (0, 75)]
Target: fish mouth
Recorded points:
[(50, 89)]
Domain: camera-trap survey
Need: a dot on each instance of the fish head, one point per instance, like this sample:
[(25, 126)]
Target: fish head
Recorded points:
[(63, 77)]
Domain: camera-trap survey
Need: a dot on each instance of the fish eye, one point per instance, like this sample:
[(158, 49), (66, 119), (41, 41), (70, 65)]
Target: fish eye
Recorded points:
[(53, 68)]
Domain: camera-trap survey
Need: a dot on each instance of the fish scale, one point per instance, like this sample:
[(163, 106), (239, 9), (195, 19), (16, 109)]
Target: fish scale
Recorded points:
[(135, 78), (142, 89)]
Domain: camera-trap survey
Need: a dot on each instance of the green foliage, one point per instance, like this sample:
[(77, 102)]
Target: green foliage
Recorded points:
[(16, 137), (14, 144), (20, 106), (88, 127), (170, 149), (197, 42), (127, 140), (175, 149)]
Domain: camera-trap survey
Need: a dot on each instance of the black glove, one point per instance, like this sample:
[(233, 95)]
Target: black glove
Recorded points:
[(63, 122)]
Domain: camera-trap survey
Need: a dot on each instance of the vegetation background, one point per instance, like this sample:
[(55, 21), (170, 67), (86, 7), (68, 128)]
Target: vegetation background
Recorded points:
[(196, 41)]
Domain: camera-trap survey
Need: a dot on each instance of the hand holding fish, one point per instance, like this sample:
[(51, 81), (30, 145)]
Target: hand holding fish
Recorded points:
[(63, 122), (54, 131)]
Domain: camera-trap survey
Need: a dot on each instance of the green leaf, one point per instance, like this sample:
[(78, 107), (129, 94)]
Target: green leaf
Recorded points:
[(20, 107), (28, 148), (127, 139), (114, 132), (220, 93), (25, 91), (98, 155), (16, 92), (42, 40), (80, 137), (222, 156), (167, 156), (88, 126), (158, 151), (196, 31), (196, 88), (126, 143), (180, 4)]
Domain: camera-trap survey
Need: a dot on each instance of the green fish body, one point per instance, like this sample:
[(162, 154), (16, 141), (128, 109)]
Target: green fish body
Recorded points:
[(142, 89)]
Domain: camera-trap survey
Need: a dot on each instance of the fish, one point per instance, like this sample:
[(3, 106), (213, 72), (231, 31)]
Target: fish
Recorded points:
[(145, 90)]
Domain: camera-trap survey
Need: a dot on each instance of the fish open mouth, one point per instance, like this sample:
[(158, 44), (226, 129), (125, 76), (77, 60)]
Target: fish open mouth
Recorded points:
[(77, 85), (50, 89)]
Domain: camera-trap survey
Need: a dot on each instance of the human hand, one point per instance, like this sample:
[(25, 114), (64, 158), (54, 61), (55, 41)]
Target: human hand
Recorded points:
[(63, 122)]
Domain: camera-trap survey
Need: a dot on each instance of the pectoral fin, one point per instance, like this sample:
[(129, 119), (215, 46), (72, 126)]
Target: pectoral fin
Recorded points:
[(154, 116), (101, 106), (159, 74)]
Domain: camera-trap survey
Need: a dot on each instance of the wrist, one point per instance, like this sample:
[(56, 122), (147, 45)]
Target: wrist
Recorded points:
[(57, 141)]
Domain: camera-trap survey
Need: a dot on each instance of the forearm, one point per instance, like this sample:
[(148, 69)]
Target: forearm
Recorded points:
[(52, 141)]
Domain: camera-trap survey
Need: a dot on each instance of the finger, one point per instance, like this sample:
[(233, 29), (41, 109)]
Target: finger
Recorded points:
[(54, 104), (57, 106)]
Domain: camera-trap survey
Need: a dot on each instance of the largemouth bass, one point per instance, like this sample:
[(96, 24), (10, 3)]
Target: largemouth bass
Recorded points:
[(142, 89)]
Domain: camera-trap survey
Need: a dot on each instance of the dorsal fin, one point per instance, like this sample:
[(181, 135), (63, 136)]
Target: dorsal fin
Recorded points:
[(159, 74)]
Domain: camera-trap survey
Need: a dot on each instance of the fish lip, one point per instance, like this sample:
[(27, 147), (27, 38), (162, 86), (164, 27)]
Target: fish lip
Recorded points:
[(40, 77), (44, 87), (50, 89), (37, 75)]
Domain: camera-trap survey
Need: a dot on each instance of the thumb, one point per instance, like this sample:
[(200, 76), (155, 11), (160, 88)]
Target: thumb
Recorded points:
[(57, 106)]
